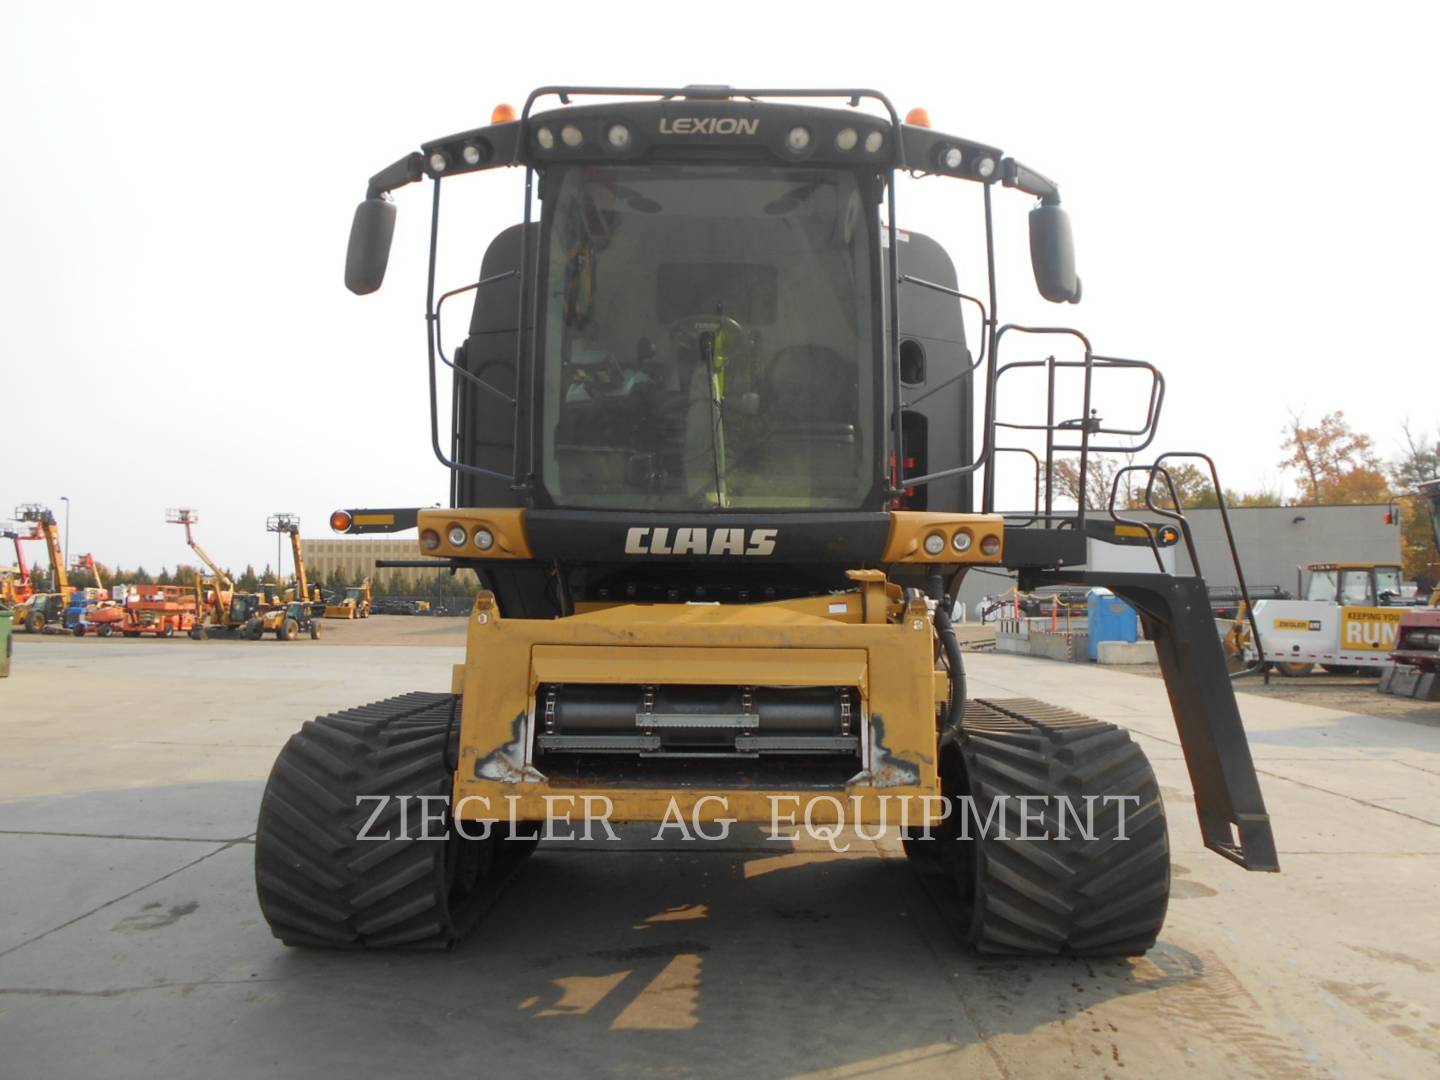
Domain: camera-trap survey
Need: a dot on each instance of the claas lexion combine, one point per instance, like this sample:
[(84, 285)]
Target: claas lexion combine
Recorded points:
[(711, 458)]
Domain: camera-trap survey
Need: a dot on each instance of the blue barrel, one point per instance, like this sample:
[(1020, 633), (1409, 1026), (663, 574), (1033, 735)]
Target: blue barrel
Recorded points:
[(1108, 618)]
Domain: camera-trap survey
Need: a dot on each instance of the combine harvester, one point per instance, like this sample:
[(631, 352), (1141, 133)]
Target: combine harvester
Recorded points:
[(713, 463)]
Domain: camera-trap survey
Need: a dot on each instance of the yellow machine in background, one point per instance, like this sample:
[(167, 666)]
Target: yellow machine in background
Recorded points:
[(355, 604), (1346, 622), (41, 610), (720, 490)]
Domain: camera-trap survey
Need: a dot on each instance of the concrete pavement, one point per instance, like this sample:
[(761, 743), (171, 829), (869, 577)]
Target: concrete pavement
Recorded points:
[(131, 945)]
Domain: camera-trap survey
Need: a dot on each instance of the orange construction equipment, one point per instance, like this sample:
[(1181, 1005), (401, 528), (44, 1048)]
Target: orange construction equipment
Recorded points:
[(87, 562), (17, 588), (219, 609), (39, 608)]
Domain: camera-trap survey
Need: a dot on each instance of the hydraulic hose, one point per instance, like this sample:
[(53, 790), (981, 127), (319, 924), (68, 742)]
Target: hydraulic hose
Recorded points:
[(956, 663)]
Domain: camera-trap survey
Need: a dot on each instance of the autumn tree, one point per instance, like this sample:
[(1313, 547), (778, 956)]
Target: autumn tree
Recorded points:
[(1419, 462), (1101, 471), (1193, 486), (1335, 464)]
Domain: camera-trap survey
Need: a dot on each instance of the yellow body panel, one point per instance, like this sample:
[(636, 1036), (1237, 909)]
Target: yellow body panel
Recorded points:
[(1370, 629), (888, 659), (909, 528), (507, 525)]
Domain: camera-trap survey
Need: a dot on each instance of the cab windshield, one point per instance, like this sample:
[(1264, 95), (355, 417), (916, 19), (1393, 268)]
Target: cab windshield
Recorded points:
[(708, 339)]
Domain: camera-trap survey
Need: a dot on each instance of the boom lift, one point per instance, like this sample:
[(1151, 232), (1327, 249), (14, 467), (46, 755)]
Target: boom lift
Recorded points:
[(17, 589), (295, 614), (221, 611), (712, 461), (290, 525), (45, 610)]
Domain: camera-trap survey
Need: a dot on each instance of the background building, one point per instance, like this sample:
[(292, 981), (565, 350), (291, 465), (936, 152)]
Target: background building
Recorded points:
[(355, 559), (1273, 541)]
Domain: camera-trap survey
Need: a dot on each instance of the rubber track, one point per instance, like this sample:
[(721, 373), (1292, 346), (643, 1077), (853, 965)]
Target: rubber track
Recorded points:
[(318, 883), (1089, 897)]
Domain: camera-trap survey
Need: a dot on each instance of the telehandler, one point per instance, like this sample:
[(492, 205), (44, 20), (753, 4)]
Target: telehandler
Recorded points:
[(44, 612), (713, 459)]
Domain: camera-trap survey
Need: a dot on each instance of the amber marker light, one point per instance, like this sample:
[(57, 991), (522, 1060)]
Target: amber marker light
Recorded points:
[(341, 521), (502, 113), (918, 118)]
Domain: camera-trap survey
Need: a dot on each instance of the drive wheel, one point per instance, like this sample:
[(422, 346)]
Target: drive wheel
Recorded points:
[(328, 875), (1100, 891), (1294, 671), (314, 630), (79, 630), (105, 630), (168, 632), (288, 630), (35, 622)]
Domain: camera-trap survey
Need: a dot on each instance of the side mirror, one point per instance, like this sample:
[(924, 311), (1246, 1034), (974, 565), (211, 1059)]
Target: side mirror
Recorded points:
[(1052, 255), (369, 251)]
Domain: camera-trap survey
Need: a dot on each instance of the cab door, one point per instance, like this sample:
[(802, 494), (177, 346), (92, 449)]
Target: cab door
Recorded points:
[(1367, 630)]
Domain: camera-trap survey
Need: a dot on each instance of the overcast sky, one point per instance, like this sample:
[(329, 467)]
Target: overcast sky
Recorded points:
[(1246, 184)]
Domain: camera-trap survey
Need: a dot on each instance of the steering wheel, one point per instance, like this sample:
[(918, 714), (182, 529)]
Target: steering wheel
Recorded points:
[(685, 334)]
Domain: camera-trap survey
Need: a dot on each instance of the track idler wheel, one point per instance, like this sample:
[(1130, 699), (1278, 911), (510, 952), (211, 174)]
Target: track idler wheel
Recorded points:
[(333, 872), (1091, 894)]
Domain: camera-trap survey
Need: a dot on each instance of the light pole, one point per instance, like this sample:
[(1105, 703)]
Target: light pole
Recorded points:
[(66, 500)]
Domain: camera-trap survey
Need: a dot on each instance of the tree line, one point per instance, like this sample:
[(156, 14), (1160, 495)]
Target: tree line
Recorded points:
[(392, 583)]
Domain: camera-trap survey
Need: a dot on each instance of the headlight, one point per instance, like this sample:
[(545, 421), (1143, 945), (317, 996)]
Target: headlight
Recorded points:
[(471, 154), (429, 539), (952, 158), (934, 543), (571, 136), (874, 141), (619, 136), (846, 139), (798, 138), (990, 545), (546, 138), (438, 162), (484, 539), (962, 540), (985, 167), (457, 536)]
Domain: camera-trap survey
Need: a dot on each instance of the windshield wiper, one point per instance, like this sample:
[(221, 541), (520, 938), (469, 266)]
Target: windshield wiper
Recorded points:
[(714, 362)]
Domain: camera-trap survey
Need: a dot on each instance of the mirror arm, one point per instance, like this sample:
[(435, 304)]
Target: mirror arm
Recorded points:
[(405, 171), (1015, 175)]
